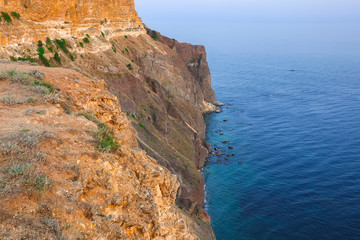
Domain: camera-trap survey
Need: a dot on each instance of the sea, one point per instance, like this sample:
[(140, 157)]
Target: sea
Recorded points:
[(293, 157), (291, 114)]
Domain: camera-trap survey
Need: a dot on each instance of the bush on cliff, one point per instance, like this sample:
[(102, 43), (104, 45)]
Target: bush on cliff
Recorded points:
[(15, 14), (6, 17), (49, 44), (104, 135), (57, 57), (62, 44)]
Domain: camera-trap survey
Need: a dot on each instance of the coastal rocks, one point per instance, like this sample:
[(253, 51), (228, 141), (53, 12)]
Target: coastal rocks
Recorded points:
[(221, 153), (209, 108)]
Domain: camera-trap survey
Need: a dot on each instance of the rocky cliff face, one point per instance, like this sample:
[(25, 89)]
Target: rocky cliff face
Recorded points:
[(163, 86), (64, 19), (57, 182)]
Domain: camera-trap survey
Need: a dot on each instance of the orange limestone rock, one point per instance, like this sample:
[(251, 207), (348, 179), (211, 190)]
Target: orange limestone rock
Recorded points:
[(57, 181), (71, 18)]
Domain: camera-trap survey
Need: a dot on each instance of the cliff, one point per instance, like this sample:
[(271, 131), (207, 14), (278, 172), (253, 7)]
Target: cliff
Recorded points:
[(163, 86), (57, 182), (64, 19)]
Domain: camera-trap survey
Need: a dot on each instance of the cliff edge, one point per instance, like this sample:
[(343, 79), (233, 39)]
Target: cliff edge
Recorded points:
[(70, 166), (163, 86)]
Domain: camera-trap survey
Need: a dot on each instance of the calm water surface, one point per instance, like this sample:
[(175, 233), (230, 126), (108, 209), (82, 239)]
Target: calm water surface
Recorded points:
[(296, 136)]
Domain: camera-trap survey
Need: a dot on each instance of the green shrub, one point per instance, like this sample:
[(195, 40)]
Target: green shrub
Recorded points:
[(49, 44), (86, 40), (12, 58), (104, 135), (82, 44), (6, 17), (40, 44), (142, 125), (114, 48), (41, 51), (129, 66), (44, 84), (15, 14), (30, 59), (127, 50), (62, 44), (87, 35), (102, 34), (57, 57), (154, 35), (48, 41), (72, 57), (44, 60), (106, 140)]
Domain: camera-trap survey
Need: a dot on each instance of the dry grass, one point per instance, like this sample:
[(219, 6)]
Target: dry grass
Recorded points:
[(34, 79), (13, 100), (19, 159)]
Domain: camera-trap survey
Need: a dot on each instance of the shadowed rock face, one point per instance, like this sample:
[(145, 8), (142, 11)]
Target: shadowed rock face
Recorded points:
[(194, 56), (163, 86)]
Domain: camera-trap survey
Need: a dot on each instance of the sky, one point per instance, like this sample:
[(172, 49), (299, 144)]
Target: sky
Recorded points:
[(258, 25)]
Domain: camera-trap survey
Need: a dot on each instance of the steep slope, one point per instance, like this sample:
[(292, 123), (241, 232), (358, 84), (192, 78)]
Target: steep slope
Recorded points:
[(163, 86), (56, 180)]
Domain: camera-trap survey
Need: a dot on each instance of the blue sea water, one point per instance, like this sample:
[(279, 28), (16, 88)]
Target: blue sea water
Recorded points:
[(296, 136)]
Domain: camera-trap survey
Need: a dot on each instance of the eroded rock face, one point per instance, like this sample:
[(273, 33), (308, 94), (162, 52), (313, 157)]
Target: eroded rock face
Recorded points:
[(163, 86), (62, 19), (56, 184), (195, 58)]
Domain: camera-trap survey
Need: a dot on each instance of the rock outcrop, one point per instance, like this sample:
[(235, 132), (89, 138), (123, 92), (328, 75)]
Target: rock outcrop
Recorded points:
[(163, 86), (56, 182), (39, 19)]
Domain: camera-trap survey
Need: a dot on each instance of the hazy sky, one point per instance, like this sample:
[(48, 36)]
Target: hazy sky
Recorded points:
[(252, 10), (258, 25)]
